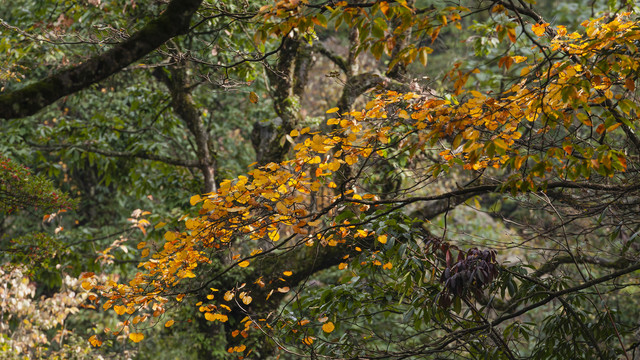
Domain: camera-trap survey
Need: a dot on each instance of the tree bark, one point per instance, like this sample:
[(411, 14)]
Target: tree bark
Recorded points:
[(184, 106), (288, 79)]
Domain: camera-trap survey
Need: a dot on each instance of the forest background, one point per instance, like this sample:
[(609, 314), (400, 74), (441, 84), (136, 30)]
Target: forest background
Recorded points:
[(295, 179)]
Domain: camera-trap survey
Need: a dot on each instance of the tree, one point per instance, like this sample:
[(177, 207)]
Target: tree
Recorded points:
[(353, 245)]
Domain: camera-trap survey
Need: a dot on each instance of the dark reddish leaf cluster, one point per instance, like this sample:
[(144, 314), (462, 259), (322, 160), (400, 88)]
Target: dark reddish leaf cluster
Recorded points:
[(468, 274)]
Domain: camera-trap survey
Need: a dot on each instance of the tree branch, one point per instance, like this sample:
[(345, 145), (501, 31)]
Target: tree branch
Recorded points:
[(335, 58), (123, 154), (551, 296), (183, 105), (554, 263), (29, 100)]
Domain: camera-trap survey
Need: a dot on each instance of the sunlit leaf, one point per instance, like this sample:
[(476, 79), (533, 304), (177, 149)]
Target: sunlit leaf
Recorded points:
[(136, 337), (328, 327)]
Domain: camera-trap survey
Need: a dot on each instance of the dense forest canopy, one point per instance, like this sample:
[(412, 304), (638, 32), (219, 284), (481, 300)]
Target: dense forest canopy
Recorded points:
[(408, 179)]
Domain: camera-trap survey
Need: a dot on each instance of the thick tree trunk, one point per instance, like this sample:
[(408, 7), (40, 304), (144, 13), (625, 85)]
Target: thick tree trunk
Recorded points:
[(288, 79), (184, 106)]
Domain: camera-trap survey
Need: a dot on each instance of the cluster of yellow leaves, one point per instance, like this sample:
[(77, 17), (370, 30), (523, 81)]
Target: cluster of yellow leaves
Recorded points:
[(484, 130), (270, 201)]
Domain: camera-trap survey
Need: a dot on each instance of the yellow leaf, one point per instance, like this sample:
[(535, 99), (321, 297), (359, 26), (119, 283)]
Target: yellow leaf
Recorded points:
[(519, 59), (274, 235), (382, 239), (170, 236), (539, 29), (332, 110), (195, 199), (136, 337), (209, 316), (256, 251), (141, 244), (243, 264), (120, 309), (308, 340), (387, 266), (283, 289), (287, 273), (87, 285), (294, 133), (191, 224), (328, 327), (247, 299), (169, 323), (334, 165), (333, 121), (160, 224), (342, 266), (228, 295)]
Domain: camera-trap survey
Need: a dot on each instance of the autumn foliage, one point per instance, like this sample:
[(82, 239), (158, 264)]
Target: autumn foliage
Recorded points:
[(345, 247), (563, 123)]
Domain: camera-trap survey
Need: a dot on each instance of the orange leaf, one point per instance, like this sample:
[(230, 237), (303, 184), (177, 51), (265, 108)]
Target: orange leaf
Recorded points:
[(253, 97), (511, 33), (630, 84), (539, 29), (328, 327), (94, 341), (120, 309)]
